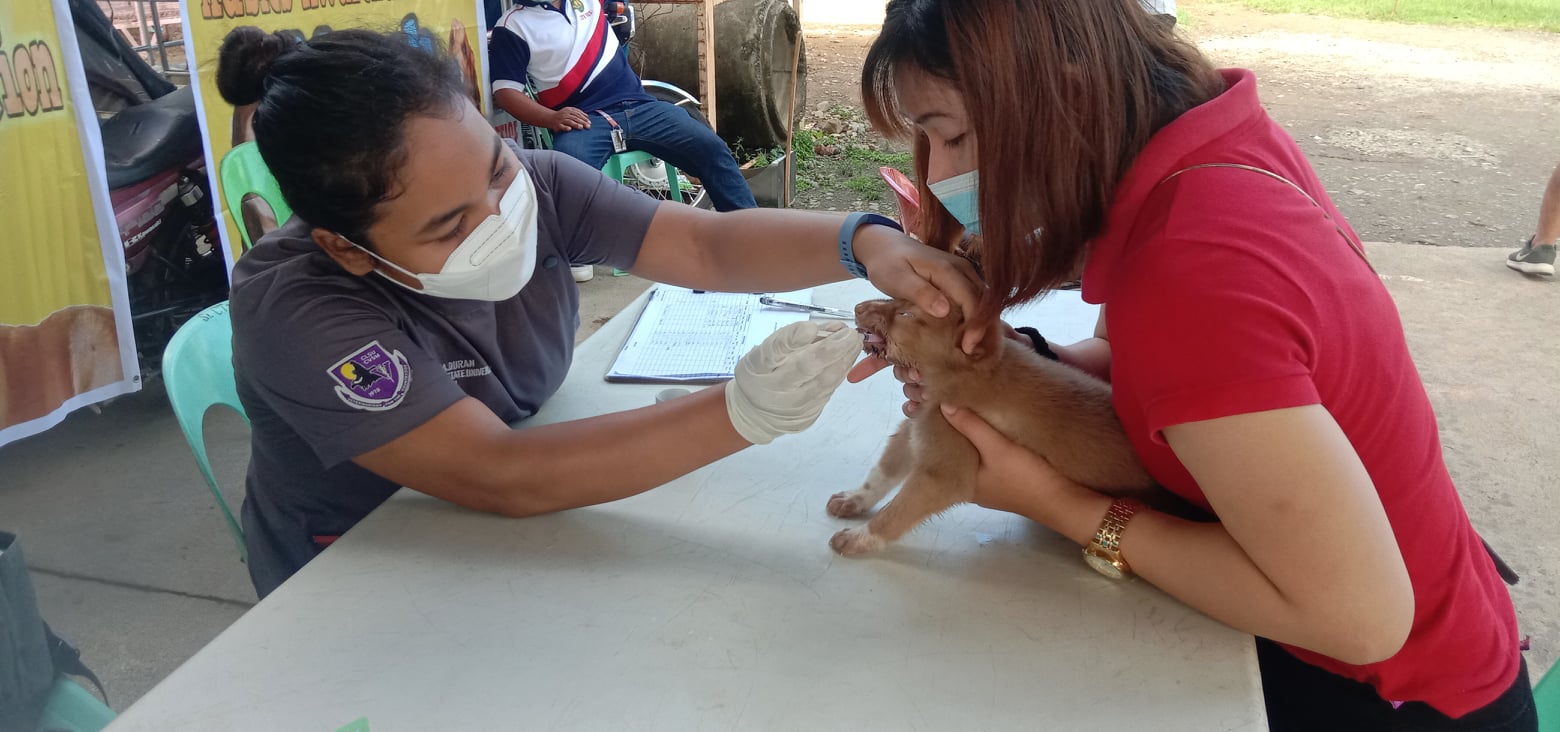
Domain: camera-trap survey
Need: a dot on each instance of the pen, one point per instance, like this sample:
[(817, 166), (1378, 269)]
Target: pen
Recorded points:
[(768, 301)]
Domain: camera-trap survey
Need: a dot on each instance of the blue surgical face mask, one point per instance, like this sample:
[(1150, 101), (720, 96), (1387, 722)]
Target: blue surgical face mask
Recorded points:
[(961, 196)]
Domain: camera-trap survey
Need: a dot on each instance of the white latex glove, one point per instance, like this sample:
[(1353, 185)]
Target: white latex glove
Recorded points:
[(781, 385)]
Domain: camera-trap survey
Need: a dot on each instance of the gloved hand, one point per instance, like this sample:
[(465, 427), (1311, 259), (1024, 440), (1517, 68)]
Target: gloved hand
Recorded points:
[(781, 385)]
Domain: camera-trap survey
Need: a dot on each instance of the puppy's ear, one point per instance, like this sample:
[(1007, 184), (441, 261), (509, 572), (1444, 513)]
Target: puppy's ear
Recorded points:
[(990, 342)]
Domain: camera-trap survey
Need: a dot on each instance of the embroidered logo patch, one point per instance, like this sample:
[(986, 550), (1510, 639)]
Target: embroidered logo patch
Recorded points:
[(372, 378)]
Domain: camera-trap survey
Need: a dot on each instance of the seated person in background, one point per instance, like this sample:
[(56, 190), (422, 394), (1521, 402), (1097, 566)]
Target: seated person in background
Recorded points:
[(585, 90)]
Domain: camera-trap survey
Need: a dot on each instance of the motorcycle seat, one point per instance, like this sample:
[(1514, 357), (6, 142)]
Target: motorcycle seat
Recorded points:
[(147, 139)]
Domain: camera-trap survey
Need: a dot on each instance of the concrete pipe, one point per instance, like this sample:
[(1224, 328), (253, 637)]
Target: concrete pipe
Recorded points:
[(754, 43)]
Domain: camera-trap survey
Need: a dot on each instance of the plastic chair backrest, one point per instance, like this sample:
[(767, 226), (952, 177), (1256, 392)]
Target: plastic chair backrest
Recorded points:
[(73, 709), (1547, 695), (243, 172), (620, 162), (198, 373), (540, 137)]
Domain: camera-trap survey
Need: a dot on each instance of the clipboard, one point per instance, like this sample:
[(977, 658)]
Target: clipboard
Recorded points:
[(691, 337)]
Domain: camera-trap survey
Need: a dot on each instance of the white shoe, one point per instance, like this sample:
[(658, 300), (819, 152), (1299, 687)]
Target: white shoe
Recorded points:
[(582, 273)]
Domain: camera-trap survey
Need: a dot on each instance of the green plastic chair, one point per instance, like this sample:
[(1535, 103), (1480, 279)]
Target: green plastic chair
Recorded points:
[(620, 162), (198, 373), (617, 163), (243, 172), (71, 708), (1547, 695)]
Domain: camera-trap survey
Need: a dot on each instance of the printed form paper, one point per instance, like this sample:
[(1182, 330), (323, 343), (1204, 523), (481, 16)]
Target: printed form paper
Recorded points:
[(689, 336)]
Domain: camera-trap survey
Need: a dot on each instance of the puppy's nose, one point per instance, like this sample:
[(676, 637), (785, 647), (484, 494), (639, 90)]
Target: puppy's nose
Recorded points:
[(873, 310)]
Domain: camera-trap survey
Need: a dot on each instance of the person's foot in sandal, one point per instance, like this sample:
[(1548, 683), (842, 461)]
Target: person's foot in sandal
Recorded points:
[(1533, 260)]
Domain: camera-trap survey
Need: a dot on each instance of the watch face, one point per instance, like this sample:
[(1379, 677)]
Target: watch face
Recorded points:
[(1103, 566)]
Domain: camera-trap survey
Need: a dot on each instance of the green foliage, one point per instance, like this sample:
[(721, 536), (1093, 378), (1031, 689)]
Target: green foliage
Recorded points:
[(849, 169), (900, 160), (1530, 14), (869, 186)]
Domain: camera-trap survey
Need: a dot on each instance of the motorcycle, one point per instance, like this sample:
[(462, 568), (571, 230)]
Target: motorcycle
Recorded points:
[(158, 186)]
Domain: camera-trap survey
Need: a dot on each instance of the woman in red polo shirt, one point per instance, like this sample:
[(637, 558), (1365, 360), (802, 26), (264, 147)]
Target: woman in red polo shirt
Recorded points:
[(1257, 362)]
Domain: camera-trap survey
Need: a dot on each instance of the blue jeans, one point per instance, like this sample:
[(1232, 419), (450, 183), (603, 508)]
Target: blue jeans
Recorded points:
[(669, 133)]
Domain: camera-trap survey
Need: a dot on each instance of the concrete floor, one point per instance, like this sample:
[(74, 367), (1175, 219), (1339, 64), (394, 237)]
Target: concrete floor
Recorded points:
[(133, 561), (131, 558)]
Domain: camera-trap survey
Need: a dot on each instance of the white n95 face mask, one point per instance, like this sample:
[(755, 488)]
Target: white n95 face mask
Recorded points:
[(495, 261)]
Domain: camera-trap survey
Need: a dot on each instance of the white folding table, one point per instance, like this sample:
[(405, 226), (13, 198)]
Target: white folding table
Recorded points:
[(714, 603)]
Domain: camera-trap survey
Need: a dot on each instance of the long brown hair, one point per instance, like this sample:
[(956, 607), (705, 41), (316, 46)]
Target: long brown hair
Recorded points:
[(1061, 94)]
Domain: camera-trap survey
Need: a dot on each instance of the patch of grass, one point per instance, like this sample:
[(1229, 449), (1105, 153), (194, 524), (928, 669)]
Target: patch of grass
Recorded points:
[(853, 170), (867, 185), (862, 153), (1529, 14), (847, 112), (847, 174), (803, 146)]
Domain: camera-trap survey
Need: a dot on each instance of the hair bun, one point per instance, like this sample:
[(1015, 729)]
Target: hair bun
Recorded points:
[(245, 60)]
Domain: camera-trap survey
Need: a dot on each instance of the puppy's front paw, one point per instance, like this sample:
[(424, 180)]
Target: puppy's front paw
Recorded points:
[(847, 504), (857, 540)]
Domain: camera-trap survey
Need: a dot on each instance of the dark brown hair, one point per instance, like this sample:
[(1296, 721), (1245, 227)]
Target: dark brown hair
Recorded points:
[(1062, 95), (330, 114)]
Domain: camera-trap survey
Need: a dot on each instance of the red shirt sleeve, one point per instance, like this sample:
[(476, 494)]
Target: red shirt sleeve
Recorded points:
[(1208, 328)]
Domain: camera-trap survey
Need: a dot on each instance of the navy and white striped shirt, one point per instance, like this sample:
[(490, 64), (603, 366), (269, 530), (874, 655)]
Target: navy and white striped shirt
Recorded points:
[(569, 53)]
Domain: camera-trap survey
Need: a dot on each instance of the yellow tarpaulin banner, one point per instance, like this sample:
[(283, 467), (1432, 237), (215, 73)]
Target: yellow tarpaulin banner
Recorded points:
[(454, 24), (65, 336)]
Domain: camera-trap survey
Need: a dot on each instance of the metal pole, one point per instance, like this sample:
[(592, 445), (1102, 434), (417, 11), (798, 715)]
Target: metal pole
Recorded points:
[(162, 47), (141, 44), (706, 29), (790, 116)]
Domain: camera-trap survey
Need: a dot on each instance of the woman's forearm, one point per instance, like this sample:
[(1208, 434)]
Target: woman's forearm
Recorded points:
[(467, 455), (1202, 566), (770, 249), (1091, 355), (604, 458), (757, 249)]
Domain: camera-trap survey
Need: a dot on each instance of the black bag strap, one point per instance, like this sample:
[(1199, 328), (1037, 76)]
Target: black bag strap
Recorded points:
[(67, 660), (1507, 574), (1358, 247)]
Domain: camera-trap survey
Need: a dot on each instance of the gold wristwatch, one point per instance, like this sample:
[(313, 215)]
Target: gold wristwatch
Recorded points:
[(1104, 553)]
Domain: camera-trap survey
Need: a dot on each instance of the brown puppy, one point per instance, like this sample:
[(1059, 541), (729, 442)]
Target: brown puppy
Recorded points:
[(1059, 412)]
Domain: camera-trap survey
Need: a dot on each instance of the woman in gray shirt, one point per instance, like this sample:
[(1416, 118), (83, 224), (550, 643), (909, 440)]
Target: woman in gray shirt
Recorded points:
[(420, 300)]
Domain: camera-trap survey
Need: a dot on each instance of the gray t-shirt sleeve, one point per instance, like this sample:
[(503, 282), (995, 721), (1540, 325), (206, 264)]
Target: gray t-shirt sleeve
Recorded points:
[(599, 220), (341, 374)]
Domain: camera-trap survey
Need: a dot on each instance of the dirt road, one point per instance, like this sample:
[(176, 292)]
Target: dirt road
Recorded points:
[(1423, 134)]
